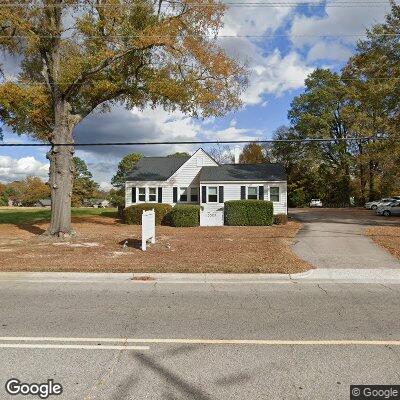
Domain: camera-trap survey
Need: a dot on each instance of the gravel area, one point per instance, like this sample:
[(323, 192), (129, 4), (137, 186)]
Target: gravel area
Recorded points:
[(104, 244)]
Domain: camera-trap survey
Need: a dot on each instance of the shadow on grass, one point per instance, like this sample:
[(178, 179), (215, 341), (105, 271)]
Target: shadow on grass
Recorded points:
[(36, 230)]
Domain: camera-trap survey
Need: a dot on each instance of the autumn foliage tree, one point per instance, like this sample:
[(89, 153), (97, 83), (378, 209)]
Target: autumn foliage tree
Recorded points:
[(78, 56), (252, 153)]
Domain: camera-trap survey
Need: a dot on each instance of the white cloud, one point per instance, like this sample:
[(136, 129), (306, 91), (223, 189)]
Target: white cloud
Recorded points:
[(276, 74), (343, 25), (253, 20), (325, 50), (12, 169)]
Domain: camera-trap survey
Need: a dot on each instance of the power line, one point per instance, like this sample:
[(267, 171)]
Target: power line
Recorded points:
[(290, 4), (284, 81), (272, 35), (265, 141)]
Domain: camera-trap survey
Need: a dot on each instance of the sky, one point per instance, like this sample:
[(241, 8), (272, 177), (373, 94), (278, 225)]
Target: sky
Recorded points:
[(292, 47)]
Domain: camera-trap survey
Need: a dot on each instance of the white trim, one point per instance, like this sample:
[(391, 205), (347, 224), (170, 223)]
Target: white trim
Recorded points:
[(207, 197), (199, 149), (257, 192), (238, 182), (279, 194), (146, 194)]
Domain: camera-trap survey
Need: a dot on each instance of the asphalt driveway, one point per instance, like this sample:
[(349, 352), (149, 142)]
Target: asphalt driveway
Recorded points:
[(333, 238)]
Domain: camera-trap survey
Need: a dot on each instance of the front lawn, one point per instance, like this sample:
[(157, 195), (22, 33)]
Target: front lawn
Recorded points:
[(24, 215), (104, 244)]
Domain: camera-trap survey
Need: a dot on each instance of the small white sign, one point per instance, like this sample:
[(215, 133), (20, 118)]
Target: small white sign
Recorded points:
[(148, 228), (212, 217)]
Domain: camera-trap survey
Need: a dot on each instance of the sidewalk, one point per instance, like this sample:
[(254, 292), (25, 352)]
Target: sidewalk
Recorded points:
[(313, 276)]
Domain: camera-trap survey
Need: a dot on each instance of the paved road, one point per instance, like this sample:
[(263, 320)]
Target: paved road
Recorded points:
[(334, 239), (204, 370)]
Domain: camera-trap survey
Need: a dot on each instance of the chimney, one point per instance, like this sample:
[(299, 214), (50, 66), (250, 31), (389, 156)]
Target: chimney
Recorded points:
[(237, 154)]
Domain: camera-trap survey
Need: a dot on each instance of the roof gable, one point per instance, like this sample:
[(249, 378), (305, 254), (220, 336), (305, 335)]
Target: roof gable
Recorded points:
[(195, 154)]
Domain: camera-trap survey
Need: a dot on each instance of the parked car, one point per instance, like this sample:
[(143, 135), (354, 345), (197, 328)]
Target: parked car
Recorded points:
[(373, 205), (315, 203), (392, 208)]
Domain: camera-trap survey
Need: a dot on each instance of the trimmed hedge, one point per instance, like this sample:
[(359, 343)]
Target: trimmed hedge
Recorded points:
[(133, 214), (185, 215), (249, 213), (280, 219)]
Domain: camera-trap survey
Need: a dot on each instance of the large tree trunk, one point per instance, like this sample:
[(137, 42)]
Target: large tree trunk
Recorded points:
[(61, 173)]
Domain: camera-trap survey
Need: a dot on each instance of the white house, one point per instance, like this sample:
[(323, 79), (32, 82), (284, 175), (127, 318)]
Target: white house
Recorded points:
[(199, 179)]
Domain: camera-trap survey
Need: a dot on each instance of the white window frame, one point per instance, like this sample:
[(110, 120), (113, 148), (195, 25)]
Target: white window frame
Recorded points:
[(181, 191), (200, 161), (208, 195), (197, 194), (138, 194), (257, 192), (279, 193), (155, 194), (146, 194)]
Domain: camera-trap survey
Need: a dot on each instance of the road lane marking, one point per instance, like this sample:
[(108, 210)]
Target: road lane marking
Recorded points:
[(266, 342), (69, 346)]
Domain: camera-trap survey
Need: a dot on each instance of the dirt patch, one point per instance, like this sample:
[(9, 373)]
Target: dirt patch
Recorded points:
[(104, 244), (386, 236)]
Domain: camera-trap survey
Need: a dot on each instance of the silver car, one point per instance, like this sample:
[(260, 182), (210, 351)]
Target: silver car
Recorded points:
[(373, 205), (387, 210)]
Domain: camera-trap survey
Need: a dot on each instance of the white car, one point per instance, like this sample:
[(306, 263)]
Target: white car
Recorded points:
[(315, 203), (387, 210), (373, 205)]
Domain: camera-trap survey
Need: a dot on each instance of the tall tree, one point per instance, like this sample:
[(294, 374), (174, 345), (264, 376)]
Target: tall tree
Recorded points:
[(80, 56), (252, 153), (373, 79), (34, 190), (84, 187), (125, 165), (318, 113)]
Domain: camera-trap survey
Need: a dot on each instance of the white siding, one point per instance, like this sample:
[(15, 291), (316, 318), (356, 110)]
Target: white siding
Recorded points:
[(186, 176), (232, 192)]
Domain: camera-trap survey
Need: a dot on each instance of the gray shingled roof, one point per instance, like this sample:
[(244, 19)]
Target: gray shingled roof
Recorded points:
[(45, 202), (243, 172), (155, 168)]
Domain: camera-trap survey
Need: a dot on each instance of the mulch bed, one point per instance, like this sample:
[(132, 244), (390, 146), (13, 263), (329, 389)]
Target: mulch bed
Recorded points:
[(106, 245), (386, 236)]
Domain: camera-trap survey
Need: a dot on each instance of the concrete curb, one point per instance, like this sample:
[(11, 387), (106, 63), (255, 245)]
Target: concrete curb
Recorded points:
[(312, 276)]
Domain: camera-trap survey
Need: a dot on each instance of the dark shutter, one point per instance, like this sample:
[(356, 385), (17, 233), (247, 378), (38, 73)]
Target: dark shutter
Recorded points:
[(261, 192), (175, 195), (204, 194), (243, 192), (160, 194), (133, 195), (221, 194)]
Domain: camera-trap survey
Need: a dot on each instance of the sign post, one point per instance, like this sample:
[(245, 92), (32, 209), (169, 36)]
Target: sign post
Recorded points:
[(148, 228)]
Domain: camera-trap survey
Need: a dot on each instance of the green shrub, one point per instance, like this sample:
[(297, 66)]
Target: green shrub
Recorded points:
[(249, 213), (297, 198), (280, 219), (185, 215), (133, 214)]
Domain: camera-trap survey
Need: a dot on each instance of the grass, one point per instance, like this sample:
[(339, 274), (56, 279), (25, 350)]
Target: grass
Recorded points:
[(24, 215)]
